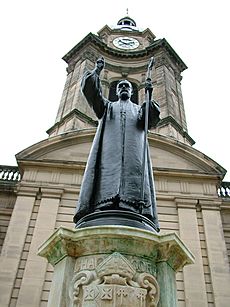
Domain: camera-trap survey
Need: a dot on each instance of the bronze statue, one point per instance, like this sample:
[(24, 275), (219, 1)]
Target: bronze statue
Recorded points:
[(115, 179)]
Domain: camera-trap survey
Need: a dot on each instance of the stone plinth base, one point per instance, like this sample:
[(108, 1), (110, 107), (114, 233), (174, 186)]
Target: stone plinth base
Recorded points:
[(114, 266)]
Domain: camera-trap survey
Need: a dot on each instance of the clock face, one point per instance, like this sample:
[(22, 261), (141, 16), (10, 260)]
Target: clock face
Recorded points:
[(126, 43)]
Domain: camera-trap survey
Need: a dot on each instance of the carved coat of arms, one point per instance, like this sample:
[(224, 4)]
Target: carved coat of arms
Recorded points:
[(114, 283)]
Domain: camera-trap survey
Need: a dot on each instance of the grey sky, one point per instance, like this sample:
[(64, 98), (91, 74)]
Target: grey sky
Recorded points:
[(36, 34)]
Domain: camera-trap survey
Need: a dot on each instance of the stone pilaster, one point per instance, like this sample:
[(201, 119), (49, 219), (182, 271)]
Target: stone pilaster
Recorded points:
[(35, 269), (14, 242), (194, 283), (217, 252), (114, 265)]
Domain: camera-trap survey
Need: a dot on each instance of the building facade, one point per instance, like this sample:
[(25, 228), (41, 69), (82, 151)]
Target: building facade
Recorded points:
[(41, 193)]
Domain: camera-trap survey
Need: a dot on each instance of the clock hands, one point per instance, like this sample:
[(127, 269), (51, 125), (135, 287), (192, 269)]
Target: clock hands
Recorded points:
[(126, 43)]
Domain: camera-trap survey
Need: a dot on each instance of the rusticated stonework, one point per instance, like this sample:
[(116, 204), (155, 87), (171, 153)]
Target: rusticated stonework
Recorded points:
[(114, 282)]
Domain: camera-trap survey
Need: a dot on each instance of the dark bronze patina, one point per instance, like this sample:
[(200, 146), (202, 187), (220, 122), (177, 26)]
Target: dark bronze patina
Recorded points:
[(118, 186)]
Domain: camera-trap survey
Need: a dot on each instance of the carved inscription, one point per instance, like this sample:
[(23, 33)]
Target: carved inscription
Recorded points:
[(91, 262), (143, 266), (88, 263)]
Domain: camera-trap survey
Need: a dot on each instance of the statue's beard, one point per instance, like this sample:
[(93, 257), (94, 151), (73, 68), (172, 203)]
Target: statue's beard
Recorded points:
[(124, 95)]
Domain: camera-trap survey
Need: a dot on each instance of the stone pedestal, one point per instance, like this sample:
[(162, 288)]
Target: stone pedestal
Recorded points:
[(114, 266)]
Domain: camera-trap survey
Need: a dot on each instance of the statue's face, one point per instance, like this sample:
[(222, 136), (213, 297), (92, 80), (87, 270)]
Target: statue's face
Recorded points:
[(124, 90)]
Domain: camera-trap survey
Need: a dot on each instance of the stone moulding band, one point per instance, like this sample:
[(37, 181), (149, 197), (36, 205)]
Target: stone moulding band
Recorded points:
[(85, 241)]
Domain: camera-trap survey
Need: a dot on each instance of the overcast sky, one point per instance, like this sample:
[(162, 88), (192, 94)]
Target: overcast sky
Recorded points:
[(36, 34)]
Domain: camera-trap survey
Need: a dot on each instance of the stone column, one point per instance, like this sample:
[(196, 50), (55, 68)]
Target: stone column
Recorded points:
[(194, 283), (217, 252), (114, 266), (14, 242)]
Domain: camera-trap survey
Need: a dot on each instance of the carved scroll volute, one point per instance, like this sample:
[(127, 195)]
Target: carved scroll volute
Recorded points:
[(149, 282), (80, 279)]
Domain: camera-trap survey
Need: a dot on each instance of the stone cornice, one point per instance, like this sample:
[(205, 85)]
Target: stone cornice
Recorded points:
[(158, 172), (164, 44), (169, 119), (94, 123), (156, 44), (82, 242), (52, 164), (78, 114), (184, 173), (90, 53), (92, 38)]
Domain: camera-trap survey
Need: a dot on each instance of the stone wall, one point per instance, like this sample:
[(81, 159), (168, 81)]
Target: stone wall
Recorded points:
[(46, 199), (7, 201), (46, 209)]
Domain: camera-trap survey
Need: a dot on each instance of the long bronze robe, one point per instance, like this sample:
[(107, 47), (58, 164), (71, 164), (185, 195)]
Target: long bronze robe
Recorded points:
[(114, 168)]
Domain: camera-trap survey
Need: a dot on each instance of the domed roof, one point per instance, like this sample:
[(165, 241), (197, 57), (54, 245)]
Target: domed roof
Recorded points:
[(126, 21)]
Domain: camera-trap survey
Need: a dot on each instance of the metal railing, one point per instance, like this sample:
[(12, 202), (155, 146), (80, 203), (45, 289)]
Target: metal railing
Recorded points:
[(9, 173)]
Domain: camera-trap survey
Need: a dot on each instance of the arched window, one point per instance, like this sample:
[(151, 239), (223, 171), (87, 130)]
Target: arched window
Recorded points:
[(113, 96)]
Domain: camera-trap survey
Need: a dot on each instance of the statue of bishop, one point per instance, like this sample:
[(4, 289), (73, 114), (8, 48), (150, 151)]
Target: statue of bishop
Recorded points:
[(114, 173)]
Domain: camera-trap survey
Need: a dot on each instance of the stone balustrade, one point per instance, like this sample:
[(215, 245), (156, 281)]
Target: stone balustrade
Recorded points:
[(9, 173), (12, 174), (223, 189)]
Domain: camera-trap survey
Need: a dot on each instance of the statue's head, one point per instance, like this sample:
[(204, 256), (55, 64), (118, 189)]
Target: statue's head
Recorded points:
[(124, 89)]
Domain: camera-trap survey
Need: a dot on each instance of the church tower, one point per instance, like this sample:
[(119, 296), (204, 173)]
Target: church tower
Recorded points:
[(126, 50), (43, 197)]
